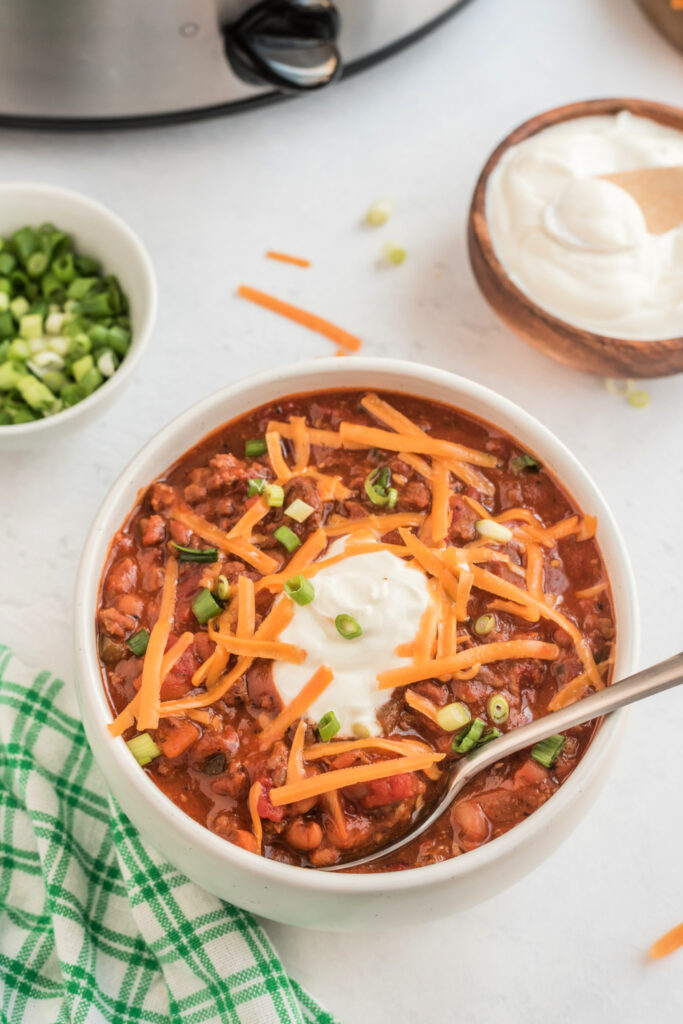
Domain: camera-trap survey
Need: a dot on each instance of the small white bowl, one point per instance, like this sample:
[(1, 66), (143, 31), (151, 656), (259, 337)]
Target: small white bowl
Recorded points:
[(318, 899), (102, 234)]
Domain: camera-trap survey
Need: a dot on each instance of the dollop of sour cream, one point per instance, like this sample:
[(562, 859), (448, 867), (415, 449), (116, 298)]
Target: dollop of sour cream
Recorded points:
[(387, 598), (578, 245)]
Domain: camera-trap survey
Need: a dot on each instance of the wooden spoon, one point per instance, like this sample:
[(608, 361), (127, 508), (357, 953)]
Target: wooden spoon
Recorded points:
[(658, 192)]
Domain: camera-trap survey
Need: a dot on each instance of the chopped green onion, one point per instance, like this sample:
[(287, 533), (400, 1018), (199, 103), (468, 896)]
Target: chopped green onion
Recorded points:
[(138, 642), (453, 716), (328, 726), (143, 748), (379, 213), (360, 731), (474, 736), (348, 627), (287, 538), (222, 588), (392, 495), (256, 485), (522, 462), (547, 751), (36, 394), (63, 268), (394, 253), (195, 554), (377, 486), (492, 530), (299, 589), (36, 264), (256, 447), (81, 367), (485, 624), (205, 606), (498, 708), (638, 398), (299, 510), (274, 495)]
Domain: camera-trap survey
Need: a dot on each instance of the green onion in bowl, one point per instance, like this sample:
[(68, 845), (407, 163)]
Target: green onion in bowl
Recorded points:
[(64, 324)]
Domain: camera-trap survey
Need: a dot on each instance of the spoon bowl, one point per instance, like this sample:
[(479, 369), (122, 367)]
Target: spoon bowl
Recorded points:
[(655, 679)]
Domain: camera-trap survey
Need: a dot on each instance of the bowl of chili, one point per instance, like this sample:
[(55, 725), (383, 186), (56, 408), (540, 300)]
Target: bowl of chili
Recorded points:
[(285, 632), (78, 305)]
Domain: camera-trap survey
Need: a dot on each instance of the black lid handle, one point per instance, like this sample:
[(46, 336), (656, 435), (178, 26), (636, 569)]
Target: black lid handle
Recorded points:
[(289, 44)]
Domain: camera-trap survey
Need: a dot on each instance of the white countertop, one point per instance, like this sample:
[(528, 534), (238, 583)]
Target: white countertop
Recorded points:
[(568, 943)]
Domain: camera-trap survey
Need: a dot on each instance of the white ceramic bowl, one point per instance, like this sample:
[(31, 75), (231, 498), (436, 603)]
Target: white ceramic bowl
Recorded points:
[(319, 899), (99, 233)]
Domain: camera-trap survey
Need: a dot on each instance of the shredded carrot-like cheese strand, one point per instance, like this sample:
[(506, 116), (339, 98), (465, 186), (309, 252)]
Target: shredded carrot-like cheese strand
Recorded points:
[(381, 524), (256, 824), (315, 686), (421, 704), (234, 545), (302, 446), (279, 617), (483, 654), (150, 688), (295, 762), (425, 638), (244, 526), (283, 257), (668, 943), (534, 571), (590, 591), (564, 528), (300, 316), (277, 459), (527, 612), (324, 438), (307, 553), (250, 647), (465, 581), (576, 688), (126, 718), (431, 562), (329, 487), (425, 444), (246, 608), (342, 777), (320, 751)]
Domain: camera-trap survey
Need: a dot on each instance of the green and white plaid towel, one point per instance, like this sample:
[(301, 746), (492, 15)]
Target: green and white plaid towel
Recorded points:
[(95, 928)]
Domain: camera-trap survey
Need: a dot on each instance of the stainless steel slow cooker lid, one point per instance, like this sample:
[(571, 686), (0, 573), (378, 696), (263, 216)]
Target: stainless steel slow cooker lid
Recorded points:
[(79, 63)]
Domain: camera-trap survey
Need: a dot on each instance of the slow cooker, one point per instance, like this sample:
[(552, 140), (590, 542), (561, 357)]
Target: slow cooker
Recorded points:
[(93, 63)]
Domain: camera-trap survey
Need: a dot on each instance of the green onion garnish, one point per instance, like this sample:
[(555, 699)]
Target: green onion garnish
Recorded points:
[(205, 606), (274, 495), (328, 726), (299, 510), (392, 495), (377, 486), (348, 627), (255, 486), (287, 538), (143, 748), (475, 736), (522, 462), (484, 624), (299, 589), (222, 588), (195, 554), (498, 708), (453, 716), (547, 751), (256, 447), (138, 642)]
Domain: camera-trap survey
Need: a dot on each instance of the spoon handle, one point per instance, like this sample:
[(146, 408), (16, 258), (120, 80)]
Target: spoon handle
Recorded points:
[(651, 680)]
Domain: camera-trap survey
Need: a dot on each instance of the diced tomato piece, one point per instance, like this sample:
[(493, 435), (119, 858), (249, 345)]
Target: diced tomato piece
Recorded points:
[(531, 774), (264, 806), (175, 736), (390, 791)]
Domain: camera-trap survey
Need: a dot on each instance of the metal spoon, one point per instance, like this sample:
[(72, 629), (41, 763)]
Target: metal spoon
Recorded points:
[(643, 684)]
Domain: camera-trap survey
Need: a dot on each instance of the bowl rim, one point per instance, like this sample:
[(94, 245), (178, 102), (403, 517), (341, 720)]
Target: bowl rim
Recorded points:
[(143, 331), (90, 688), (478, 226)]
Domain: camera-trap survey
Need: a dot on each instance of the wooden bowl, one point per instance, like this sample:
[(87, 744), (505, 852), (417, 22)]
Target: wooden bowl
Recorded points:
[(572, 346)]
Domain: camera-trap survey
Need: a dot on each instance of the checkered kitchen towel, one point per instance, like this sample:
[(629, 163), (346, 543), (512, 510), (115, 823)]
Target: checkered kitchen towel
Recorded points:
[(94, 927)]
